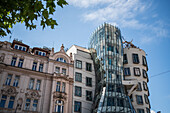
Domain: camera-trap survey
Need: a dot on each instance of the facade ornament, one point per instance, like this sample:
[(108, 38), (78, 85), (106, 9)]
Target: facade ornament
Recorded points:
[(62, 48), (2, 57), (59, 95), (9, 90), (19, 103), (32, 94)]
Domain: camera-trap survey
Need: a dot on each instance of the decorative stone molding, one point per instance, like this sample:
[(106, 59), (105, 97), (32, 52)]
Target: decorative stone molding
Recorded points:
[(19, 103), (59, 95), (22, 57), (9, 90), (2, 57), (32, 94)]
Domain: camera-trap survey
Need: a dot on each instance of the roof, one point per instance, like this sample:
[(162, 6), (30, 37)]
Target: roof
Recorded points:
[(82, 49)]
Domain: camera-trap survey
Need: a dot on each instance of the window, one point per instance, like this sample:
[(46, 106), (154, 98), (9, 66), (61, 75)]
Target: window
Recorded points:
[(63, 87), (144, 60), (110, 48), (8, 80), (22, 48), (58, 86), (146, 99), (64, 71), (145, 86), (77, 106), (11, 102), (88, 81), (147, 110), (77, 91), (31, 84), (135, 58), (125, 60), (16, 81), (88, 67), (34, 66), (79, 64), (38, 84), (136, 71), (3, 101), (34, 106), (78, 77), (27, 104), (139, 87), (139, 99), (13, 62), (40, 53), (59, 106), (144, 74), (41, 68), (140, 110), (126, 71), (89, 95), (20, 63), (111, 87), (110, 101), (57, 69), (120, 102), (110, 61), (61, 60)]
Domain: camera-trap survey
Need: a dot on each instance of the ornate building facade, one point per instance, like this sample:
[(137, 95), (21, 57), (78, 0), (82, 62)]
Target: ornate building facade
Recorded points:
[(34, 80)]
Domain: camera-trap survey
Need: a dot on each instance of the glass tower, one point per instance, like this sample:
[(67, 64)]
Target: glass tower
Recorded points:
[(107, 42)]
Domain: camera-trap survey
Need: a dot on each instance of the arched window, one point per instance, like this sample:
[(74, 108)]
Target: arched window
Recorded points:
[(61, 60), (59, 106)]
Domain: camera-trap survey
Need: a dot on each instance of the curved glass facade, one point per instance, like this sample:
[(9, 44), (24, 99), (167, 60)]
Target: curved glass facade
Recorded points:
[(107, 42)]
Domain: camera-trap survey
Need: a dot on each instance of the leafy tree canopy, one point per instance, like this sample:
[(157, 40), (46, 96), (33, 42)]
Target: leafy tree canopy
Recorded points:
[(27, 11)]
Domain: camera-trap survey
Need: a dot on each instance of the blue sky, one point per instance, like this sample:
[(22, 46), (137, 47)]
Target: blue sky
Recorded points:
[(145, 21)]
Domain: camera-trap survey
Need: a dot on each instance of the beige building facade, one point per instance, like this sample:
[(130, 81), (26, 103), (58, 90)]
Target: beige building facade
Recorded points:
[(136, 77), (35, 80)]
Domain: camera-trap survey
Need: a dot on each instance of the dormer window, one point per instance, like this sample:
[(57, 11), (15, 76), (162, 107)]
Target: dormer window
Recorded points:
[(40, 53), (19, 47), (61, 60)]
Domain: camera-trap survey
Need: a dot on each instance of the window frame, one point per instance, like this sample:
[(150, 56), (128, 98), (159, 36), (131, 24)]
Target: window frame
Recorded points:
[(15, 84), (135, 58), (34, 66), (88, 67), (13, 61), (79, 76), (58, 85), (41, 67), (38, 84), (140, 102), (79, 63), (139, 87), (87, 81), (4, 100), (89, 95), (127, 70), (20, 63), (135, 69), (145, 75), (31, 87), (144, 61), (11, 101), (76, 105), (79, 89), (125, 59)]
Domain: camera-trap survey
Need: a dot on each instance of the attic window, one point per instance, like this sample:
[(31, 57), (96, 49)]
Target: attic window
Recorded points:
[(61, 60), (40, 53), (19, 47)]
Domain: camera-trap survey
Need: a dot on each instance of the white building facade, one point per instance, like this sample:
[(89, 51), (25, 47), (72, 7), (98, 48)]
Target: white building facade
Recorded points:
[(84, 79)]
